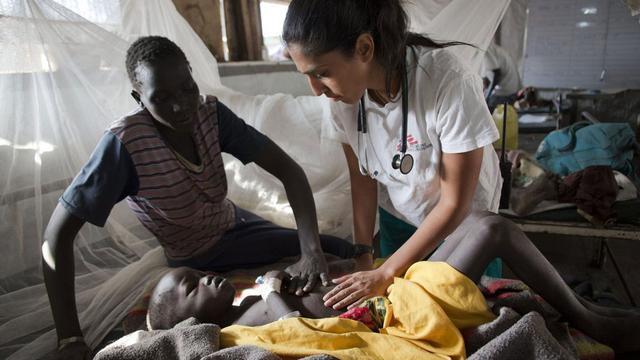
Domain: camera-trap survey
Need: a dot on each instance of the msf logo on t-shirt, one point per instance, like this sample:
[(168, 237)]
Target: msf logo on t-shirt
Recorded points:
[(413, 144)]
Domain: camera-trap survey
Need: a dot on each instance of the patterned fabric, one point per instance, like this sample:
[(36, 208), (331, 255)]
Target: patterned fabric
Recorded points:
[(371, 312), (186, 210)]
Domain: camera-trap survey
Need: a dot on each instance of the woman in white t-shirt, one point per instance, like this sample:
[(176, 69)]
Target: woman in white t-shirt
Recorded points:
[(360, 54)]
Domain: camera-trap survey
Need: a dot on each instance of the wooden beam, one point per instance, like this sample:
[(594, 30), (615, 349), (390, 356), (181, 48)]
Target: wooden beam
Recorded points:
[(628, 232), (244, 30), (204, 18), (280, 2)]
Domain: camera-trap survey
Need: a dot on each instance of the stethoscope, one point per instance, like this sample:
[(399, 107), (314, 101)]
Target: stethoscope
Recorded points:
[(401, 161)]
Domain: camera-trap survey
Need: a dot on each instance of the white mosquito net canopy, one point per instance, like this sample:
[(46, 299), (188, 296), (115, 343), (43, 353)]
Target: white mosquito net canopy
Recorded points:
[(63, 81)]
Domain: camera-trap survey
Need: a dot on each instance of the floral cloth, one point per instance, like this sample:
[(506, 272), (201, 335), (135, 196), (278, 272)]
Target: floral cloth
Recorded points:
[(370, 312)]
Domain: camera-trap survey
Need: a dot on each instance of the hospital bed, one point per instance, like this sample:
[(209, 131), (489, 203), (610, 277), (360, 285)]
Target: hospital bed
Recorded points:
[(567, 222)]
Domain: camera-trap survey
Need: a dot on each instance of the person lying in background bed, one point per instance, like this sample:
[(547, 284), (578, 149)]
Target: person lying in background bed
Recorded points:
[(422, 311), (165, 159)]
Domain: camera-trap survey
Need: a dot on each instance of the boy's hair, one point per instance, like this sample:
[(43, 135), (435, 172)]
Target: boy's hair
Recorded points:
[(149, 49), (160, 314)]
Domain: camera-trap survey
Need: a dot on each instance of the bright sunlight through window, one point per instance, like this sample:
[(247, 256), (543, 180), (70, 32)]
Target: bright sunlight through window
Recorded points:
[(273, 14)]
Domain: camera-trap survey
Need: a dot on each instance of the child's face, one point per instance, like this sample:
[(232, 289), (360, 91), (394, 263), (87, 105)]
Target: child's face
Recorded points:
[(169, 93), (206, 297)]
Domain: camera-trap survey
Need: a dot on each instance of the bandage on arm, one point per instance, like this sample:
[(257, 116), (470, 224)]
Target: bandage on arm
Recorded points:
[(270, 292)]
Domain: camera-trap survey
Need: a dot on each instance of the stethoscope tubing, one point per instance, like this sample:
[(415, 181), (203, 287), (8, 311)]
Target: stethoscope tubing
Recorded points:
[(362, 129)]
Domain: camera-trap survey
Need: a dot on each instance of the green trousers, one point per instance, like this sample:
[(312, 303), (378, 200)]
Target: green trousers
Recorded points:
[(395, 232)]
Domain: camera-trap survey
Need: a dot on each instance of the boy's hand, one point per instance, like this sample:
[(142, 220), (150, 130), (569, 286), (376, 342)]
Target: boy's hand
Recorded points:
[(306, 272)]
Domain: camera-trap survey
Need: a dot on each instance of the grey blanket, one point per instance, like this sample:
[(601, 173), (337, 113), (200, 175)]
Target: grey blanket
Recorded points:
[(189, 340), (525, 328)]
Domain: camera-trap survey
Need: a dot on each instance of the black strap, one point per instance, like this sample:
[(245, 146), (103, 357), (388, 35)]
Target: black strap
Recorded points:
[(362, 117), (504, 130), (405, 106), (505, 164)]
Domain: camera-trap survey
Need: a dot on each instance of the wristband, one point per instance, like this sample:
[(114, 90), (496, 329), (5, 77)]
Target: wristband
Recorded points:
[(63, 343), (361, 249), (268, 285)]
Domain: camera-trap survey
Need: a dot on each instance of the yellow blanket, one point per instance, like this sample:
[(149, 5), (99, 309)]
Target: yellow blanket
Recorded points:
[(426, 309)]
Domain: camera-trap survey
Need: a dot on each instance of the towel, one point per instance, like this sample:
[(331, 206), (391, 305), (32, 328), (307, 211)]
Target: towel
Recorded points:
[(182, 342), (188, 340)]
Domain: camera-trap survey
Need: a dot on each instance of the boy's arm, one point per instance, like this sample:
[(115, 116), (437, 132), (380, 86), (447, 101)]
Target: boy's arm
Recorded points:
[(58, 269), (312, 264), (277, 305), (272, 284)]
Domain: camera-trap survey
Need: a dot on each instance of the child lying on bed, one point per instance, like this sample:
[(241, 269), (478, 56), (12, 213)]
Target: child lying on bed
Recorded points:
[(423, 311)]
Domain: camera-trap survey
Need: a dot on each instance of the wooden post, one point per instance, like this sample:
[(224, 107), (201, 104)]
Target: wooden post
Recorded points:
[(244, 29), (204, 18)]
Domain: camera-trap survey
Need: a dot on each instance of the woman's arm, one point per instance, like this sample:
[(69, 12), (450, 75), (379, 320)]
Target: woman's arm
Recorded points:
[(364, 199), (458, 180), (312, 264)]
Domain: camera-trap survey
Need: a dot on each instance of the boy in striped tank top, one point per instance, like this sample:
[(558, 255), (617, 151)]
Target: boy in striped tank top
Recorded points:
[(165, 160)]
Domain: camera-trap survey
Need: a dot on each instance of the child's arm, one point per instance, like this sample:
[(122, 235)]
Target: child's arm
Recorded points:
[(279, 308), (312, 264), (271, 285), (58, 269)]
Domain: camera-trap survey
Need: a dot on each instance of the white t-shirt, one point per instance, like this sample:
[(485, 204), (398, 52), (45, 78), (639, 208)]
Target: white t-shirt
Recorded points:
[(498, 58), (447, 113)]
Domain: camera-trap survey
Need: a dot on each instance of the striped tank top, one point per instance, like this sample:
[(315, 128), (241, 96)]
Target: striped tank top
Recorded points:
[(185, 207)]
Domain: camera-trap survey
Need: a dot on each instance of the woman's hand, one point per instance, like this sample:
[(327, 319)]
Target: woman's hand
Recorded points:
[(306, 273), (354, 288)]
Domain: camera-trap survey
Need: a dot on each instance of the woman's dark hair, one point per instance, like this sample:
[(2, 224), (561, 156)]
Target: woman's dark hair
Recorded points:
[(321, 26)]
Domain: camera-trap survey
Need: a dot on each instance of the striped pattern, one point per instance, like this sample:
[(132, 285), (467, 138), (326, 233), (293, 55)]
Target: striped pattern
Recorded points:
[(187, 211)]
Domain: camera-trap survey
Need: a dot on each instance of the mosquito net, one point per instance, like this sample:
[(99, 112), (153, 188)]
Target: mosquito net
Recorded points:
[(63, 81)]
